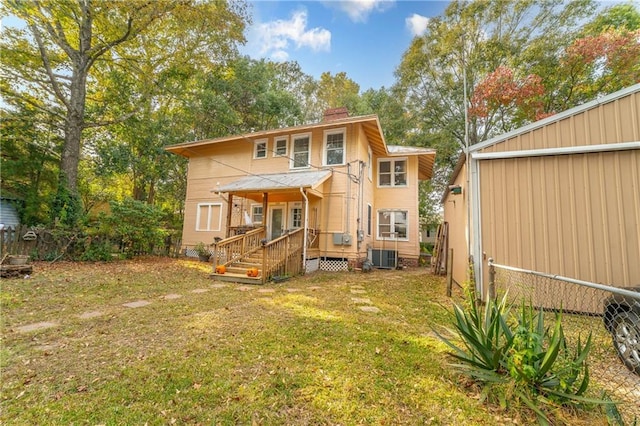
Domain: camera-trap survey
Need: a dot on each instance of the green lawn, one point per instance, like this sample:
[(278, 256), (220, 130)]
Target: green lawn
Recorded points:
[(303, 354)]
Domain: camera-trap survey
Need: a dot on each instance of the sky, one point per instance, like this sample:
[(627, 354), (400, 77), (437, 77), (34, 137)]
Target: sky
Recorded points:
[(363, 38)]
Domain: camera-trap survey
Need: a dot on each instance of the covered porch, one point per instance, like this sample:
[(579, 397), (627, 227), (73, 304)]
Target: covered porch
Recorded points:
[(284, 203)]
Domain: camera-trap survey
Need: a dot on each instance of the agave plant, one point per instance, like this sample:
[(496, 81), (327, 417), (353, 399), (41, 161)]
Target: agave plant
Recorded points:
[(497, 347), (485, 336)]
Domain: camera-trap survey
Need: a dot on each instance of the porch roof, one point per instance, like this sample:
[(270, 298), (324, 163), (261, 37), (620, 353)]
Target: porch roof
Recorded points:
[(277, 182)]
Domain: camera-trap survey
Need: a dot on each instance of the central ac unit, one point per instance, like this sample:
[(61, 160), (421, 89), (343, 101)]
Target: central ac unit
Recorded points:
[(384, 258)]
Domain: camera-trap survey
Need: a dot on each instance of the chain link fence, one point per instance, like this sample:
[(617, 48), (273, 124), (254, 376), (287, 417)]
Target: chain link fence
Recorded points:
[(611, 315)]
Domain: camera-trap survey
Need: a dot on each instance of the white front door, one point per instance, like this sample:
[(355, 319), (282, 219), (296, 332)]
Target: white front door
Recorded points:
[(277, 222)]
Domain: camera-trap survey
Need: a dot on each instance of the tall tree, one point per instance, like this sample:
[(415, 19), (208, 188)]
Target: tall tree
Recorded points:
[(50, 64), (29, 146), (338, 91), (468, 42)]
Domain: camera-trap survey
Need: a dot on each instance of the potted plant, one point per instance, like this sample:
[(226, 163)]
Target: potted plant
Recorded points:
[(202, 251)]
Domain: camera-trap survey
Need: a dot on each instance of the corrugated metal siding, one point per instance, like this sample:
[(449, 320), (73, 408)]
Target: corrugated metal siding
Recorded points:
[(613, 122), (573, 215), (455, 214), (8, 214)]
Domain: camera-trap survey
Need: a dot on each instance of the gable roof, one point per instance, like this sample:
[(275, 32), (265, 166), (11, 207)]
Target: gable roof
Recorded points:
[(370, 125), (538, 124), (556, 117)]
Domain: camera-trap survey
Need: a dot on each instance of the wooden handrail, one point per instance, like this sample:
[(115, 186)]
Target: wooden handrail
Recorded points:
[(236, 247), (283, 255)]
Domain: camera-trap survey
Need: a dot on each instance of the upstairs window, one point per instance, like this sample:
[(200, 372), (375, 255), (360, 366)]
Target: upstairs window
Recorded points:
[(392, 172), (280, 149), (334, 147), (260, 149), (301, 151)]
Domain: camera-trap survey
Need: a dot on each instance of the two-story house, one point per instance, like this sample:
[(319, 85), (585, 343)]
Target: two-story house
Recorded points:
[(336, 183)]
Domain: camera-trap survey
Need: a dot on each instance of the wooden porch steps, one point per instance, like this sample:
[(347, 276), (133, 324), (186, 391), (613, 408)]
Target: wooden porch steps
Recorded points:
[(234, 277), (237, 272)]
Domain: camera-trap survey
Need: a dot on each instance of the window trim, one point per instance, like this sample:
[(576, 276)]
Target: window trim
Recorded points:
[(253, 206), (255, 148), (379, 237), (292, 216), (370, 165), (198, 208), (336, 131), (286, 146), (393, 161), (293, 152)]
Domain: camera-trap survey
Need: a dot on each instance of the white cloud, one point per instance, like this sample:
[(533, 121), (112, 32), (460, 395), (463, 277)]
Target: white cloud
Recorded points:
[(417, 24), (359, 10), (276, 37)]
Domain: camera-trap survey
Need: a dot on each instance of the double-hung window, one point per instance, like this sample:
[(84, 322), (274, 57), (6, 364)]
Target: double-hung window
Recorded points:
[(256, 214), (392, 172), (392, 224), (296, 217), (209, 217), (280, 147), (334, 144), (301, 151), (260, 149)]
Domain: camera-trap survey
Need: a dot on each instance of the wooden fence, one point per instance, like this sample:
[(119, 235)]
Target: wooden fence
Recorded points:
[(47, 244)]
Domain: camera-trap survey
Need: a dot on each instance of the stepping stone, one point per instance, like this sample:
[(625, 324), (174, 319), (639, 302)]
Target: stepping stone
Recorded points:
[(218, 285), (361, 300), (357, 286), (358, 291), (293, 290), (92, 314), (200, 290), (36, 326), (315, 287), (136, 304), (266, 290), (370, 309), (244, 288), (171, 296)]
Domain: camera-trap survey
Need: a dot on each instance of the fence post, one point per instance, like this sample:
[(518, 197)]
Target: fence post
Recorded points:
[(492, 279), (450, 273)]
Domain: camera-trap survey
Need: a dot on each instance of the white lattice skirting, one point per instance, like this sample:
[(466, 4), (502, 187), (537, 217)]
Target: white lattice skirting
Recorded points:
[(334, 265)]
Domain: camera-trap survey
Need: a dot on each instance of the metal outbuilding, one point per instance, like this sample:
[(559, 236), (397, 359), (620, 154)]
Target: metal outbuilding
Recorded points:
[(559, 196)]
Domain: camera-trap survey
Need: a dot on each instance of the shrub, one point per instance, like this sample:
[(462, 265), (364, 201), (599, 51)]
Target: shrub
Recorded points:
[(137, 225), (535, 364)]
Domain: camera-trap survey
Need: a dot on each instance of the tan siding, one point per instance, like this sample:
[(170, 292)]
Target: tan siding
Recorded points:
[(613, 122), (455, 214), (575, 216), (339, 208), (395, 198)]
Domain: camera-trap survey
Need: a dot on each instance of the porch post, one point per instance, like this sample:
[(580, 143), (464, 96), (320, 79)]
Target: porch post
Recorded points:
[(265, 203), (229, 209), (306, 230)]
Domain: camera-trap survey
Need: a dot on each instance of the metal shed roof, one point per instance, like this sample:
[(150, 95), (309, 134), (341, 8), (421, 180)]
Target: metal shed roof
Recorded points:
[(277, 181)]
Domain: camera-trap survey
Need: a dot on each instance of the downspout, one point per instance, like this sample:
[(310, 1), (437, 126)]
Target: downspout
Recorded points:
[(306, 228)]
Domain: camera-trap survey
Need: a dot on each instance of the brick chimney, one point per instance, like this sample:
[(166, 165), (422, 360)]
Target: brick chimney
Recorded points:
[(335, 114)]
